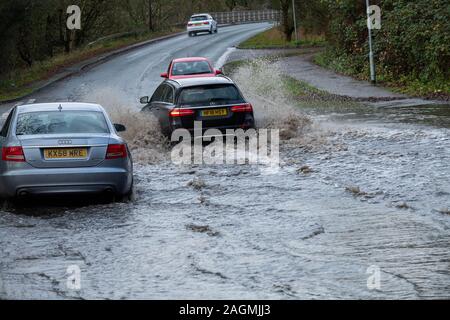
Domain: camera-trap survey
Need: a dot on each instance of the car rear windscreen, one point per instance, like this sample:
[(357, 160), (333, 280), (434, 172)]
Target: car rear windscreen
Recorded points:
[(64, 122), (199, 18), (191, 68), (210, 95)]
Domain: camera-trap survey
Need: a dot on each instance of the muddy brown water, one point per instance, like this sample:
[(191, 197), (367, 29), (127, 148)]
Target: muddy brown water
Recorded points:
[(376, 193)]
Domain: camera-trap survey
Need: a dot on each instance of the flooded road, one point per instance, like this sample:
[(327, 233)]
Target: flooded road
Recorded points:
[(358, 189)]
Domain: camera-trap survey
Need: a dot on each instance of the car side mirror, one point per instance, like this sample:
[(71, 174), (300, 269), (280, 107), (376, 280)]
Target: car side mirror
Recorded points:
[(164, 75), (218, 72), (120, 127), (145, 100)]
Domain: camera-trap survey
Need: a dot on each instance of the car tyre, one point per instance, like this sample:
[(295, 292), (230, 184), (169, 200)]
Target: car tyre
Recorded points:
[(6, 205), (129, 196), (217, 30)]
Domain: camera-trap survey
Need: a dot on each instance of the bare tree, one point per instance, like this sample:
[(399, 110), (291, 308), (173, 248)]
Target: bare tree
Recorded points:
[(286, 21), (151, 27)]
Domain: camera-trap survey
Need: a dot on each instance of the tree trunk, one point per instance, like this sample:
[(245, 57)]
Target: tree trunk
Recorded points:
[(48, 36), (70, 40), (23, 49), (151, 26), (286, 24), (62, 27)]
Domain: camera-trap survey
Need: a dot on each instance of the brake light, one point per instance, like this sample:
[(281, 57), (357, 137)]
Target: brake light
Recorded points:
[(13, 154), (190, 24), (206, 22), (177, 112), (242, 108), (116, 151)]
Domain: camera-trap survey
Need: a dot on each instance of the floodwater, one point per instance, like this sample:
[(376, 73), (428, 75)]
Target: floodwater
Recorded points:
[(361, 192)]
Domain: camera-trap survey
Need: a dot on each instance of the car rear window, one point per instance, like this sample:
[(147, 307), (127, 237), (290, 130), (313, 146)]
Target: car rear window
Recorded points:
[(191, 68), (64, 122), (209, 96), (199, 18)]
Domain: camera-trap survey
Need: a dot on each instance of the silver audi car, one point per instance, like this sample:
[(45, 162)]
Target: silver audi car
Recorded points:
[(63, 148)]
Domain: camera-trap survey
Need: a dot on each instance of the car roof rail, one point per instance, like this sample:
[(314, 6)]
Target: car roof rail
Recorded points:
[(173, 80), (226, 77)]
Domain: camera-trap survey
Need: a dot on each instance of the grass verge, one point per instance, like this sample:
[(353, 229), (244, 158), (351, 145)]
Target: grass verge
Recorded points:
[(306, 96), (430, 89), (274, 38), (24, 81), (302, 94)]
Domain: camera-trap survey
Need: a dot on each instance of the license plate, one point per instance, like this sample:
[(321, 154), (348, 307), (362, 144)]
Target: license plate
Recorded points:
[(65, 153), (215, 113), (197, 24)]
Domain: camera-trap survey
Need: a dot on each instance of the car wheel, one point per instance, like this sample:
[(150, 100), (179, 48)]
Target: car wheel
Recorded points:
[(6, 205), (211, 31), (217, 30)]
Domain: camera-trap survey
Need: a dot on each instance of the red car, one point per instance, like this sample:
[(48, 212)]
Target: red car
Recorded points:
[(190, 68)]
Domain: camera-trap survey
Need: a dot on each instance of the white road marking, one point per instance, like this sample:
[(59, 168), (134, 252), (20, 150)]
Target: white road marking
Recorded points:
[(31, 101), (151, 64), (223, 59)]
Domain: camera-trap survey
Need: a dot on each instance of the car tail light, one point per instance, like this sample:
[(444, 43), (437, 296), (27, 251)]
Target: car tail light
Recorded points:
[(116, 151), (177, 112), (190, 24), (242, 108), (13, 154), (206, 22)]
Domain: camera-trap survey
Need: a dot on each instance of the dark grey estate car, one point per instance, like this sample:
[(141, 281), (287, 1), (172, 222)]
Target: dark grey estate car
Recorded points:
[(214, 101)]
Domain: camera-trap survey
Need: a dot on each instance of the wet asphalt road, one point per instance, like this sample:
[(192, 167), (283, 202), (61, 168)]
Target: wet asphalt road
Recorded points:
[(374, 196), (136, 73)]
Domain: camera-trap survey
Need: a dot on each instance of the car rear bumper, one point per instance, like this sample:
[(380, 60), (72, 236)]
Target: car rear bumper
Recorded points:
[(247, 121), (205, 28), (212, 132), (65, 181)]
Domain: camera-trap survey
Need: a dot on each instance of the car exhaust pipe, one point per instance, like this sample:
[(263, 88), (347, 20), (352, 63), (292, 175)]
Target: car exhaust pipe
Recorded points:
[(23, 194), (109, 191)]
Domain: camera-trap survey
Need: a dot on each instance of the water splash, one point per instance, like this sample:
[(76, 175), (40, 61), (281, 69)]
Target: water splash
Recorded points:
[(263, 85), (143, 134)]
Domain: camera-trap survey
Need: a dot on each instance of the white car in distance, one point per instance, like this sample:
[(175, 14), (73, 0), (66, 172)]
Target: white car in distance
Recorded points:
[(201, 23)]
